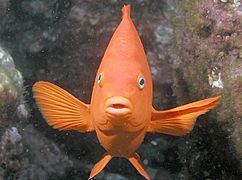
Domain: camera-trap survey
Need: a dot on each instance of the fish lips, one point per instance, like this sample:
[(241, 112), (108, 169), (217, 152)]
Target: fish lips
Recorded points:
[(118, 107)]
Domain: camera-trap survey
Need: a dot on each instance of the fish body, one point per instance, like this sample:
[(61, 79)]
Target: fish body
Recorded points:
[(123, 63), (120, 111)]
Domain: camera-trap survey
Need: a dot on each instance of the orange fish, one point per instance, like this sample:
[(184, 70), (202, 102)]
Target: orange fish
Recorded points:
[(121, 109)]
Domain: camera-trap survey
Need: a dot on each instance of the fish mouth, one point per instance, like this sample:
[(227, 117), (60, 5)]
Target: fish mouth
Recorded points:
[(118, 106)]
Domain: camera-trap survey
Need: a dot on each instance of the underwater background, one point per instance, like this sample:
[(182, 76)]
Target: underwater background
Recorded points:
[(194, 49)]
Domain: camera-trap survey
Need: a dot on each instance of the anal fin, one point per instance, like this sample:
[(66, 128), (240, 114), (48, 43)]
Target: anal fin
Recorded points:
[(98, 167), (135, 161)]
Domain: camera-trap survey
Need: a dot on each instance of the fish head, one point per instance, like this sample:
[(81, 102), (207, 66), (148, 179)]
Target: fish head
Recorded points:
[(122, 92), (122, 95)]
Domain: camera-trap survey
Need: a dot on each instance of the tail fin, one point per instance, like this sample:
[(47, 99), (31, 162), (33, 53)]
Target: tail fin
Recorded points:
[(135, 161), (100, 165), (179, 121)]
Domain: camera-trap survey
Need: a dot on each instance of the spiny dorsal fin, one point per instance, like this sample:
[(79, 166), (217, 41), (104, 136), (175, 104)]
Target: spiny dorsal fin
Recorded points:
[(126, 11)]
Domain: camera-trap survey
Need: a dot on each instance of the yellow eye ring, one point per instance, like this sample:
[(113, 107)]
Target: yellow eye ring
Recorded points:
[(141, 81), (100, 79)]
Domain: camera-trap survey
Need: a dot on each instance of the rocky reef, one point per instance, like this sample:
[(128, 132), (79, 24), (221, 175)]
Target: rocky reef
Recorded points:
[(11, 87), (194, 50), (209, 38)]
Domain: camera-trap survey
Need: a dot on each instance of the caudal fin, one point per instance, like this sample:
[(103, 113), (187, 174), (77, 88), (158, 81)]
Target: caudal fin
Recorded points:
[(98, 167), (180, 120), (135, 161)]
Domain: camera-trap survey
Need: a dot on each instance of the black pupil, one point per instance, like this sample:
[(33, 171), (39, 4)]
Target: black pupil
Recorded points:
[(99, 77), (142, 81)]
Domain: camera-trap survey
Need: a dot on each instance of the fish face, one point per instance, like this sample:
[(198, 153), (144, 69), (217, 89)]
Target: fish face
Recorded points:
[(121, 98)]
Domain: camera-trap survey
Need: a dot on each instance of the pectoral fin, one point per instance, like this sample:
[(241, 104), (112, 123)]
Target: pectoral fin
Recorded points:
[(100, 165), (60, 109), (179, 121), (135, 161)]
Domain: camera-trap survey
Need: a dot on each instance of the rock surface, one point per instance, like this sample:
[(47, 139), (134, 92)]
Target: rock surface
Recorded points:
[(194, 49), (209, 38), (11, 87)]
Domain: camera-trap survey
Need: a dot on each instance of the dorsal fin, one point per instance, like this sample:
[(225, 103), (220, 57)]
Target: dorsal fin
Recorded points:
[(126, 11), (125, 46)]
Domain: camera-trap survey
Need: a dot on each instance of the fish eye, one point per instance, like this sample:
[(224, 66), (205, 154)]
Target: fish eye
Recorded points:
[(141, 82), (100, 79)]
